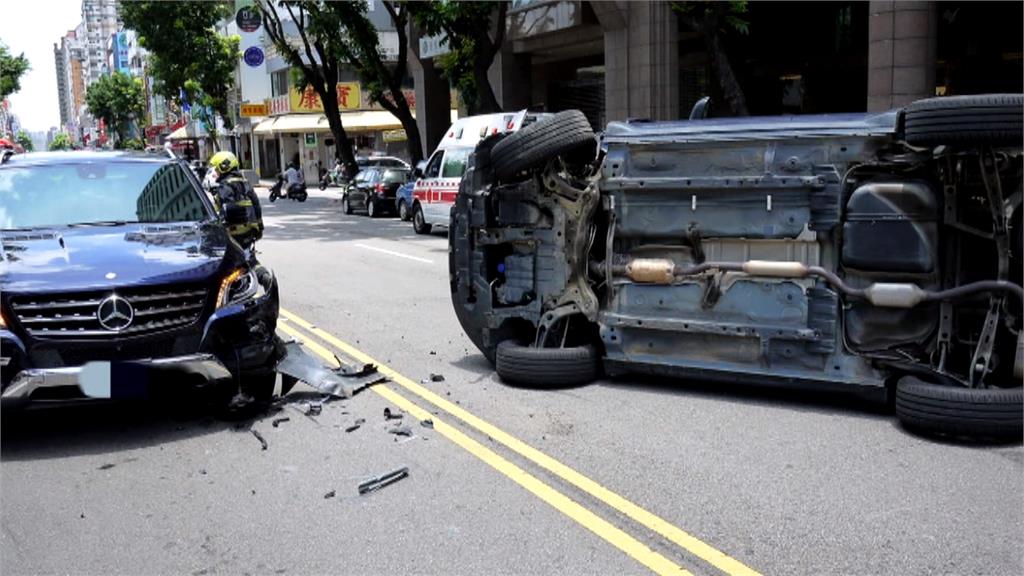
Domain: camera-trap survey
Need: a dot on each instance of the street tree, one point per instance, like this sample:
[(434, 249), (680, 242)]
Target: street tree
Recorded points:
[(118, 99), (187, 54), (11, 70), (359, 48), (475, 32), (713, 20), (24, 140), (61, 141), (316, 55)]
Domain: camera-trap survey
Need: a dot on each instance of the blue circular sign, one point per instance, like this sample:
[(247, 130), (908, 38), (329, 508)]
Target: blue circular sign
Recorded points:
[(253, 56)]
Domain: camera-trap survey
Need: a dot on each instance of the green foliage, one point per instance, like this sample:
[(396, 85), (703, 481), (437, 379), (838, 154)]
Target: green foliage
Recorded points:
[(471, 45), (698, 15), (186, 51), (11, 70), (134, 144), (61, 141), (117, 99), (24, 140)]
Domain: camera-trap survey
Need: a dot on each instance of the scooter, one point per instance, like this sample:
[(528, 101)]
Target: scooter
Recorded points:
[(296, 192), (331, 178)]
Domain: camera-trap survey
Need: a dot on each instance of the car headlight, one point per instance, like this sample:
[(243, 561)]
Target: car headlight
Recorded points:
[(239, 286)]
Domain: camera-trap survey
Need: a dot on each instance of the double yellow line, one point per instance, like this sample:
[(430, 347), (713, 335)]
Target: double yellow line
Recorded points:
[(613, 535)]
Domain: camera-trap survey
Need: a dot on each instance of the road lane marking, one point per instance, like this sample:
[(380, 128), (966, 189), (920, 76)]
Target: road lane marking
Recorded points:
[(651, 521), (559, 501), (399, 254)]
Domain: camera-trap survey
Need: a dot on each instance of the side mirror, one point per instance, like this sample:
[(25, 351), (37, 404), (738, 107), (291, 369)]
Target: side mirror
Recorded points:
[(701, 108)]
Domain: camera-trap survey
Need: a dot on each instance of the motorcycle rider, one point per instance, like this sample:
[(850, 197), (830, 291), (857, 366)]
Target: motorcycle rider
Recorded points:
[(294, 180), (236, 200)]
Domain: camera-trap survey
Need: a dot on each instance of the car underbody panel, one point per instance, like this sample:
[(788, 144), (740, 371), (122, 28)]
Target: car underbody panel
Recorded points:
[(813, 251)]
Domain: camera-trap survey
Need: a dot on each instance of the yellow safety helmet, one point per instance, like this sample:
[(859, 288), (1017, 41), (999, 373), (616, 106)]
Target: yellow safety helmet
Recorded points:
[(224, 162)]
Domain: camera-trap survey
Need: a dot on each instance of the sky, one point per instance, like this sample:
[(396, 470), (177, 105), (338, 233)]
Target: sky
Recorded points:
[(32, 26)]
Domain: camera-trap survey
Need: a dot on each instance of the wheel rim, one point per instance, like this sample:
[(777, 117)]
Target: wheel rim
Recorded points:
[(370, 209), (417, 219), (347, 206), (403, 211)]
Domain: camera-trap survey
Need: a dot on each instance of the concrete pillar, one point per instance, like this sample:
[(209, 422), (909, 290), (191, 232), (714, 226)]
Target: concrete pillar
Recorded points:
[(901, 53), (433, 106), (641, 61), (510, 78)]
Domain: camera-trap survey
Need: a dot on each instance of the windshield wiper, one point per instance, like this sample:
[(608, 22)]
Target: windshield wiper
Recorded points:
[(103, 223)]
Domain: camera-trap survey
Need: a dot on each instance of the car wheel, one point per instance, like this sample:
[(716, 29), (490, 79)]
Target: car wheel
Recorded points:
[(403, 210), (545, 367), (346, 205), (419, 223), (371, 208), (972, 120), (323, 185), (954, 410), (534, 145), (260, 385)]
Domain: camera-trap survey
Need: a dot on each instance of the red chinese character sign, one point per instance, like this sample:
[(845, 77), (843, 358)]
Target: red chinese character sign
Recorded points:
[(308, 101)]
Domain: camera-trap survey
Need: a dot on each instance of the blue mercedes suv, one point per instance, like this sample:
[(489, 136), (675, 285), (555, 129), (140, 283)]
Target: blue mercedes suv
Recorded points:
[(117, 279)]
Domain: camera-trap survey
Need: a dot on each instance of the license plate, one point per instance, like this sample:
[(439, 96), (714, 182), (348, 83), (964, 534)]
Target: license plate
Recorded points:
[(113, 380)]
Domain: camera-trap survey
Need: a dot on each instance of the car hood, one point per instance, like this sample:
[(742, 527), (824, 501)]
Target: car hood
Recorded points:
[(91, 257)]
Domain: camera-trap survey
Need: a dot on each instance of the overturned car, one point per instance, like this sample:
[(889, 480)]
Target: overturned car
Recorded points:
[(873, 253)]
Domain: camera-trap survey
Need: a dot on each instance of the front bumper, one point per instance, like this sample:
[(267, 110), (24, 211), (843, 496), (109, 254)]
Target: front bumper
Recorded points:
[(133, 379)]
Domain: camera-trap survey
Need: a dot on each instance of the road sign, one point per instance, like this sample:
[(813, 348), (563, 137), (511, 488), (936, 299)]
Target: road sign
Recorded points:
[(253, 110), (253, 56)]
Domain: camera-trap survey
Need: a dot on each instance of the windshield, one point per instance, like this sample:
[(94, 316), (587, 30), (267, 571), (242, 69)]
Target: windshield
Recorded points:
[(110, 192)]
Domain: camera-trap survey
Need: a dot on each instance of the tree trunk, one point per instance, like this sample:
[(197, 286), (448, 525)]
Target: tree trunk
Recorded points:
[(412, 131), (341, 141), (726, 77), (486, 101)]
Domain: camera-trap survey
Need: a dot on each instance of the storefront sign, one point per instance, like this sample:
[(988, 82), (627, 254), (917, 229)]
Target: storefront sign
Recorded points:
[(394, 136), (311, 140), (253, 110), (308, 101), (253, 56), (248, 19), (431, 46), (279, 105)]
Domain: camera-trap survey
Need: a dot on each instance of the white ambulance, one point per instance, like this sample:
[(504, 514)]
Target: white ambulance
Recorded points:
[(438, 184)]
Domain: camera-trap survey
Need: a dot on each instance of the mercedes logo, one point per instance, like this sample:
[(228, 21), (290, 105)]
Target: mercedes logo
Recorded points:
[(115, 313)]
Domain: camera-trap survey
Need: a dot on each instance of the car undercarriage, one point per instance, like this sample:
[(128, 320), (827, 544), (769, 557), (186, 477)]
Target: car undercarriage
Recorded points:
[(849, 252)]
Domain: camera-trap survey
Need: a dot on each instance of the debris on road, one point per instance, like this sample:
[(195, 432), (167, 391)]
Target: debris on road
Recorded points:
[(345, 381), (428, 423), (314, 409), (279, 420), (256, 433), (356, 426), (329, 495), (384, 480), (106, 466), (389, 415), (401, 431), (202, 471), (432, 353), (433, 378)]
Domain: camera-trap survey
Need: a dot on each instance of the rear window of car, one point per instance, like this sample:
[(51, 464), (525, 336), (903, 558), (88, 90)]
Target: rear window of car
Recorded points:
[(63, 194), (395, 176)]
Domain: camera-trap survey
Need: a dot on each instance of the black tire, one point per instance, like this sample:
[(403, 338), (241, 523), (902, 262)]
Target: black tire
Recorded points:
[(534, 145), (953, 410), (403, 211), (971, 120), (346, 206), (261, 385), (371, 209), (301, 197), (545, 367), (323, 185), (419, 224), (273, 196)]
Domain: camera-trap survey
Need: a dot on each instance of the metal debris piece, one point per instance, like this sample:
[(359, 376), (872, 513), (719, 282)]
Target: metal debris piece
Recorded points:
[(106, 466), (345, 381), (389, 415), (329, 495), (428, 423), (437, 377), (314, 409), (432, 353), (384, 480), (354, 427), (202, 471), (279, 420), (401, 431), (256, 433)]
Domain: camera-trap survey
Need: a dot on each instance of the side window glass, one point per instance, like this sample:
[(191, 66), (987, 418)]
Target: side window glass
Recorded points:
[(455, 163), (434, 166)]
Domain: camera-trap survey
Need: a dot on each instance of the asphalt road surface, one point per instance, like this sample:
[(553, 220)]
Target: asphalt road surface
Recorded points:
[(629, 476)]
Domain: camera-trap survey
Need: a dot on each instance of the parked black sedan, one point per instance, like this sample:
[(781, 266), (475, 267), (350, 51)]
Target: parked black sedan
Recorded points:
[(373, 190)]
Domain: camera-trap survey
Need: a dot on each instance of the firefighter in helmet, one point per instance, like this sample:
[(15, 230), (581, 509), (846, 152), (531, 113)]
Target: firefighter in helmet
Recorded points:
[(236, 201)]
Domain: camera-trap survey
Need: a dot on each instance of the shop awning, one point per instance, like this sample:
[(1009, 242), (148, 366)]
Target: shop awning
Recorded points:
[(264, 127), (364, 121), (188, 132)]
